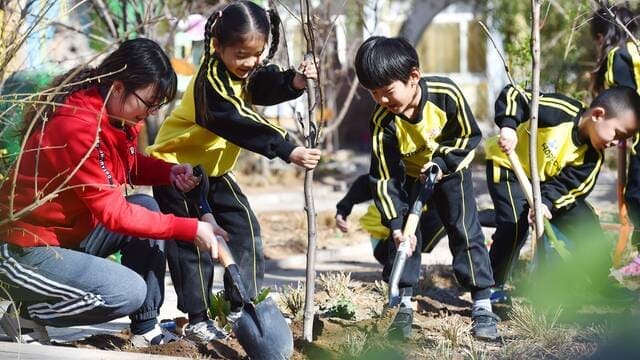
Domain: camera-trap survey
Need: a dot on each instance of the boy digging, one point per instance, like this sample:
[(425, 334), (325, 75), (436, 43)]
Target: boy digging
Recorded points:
[(571, 140), (422, 122)]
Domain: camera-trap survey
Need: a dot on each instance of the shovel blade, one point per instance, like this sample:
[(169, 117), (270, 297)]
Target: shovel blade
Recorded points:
[(263, 332)]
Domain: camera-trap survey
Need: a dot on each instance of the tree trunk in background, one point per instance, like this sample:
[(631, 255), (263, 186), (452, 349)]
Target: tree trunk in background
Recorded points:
[(421, 14)]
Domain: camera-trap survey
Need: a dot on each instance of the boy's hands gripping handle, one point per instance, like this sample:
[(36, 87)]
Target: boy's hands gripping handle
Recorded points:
[(516, 166), (426, 189), (404, 248)]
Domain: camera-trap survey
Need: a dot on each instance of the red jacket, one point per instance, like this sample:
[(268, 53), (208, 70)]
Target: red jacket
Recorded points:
[(93, 195)]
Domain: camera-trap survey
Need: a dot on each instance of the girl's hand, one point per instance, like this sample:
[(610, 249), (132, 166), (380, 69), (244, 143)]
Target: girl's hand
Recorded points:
[(305, 157), (508, 139), (342, 224), (306, 70), (182, 177)]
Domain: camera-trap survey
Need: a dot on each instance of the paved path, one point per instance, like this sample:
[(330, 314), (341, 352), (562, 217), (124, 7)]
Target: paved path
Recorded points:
[(12, 351)]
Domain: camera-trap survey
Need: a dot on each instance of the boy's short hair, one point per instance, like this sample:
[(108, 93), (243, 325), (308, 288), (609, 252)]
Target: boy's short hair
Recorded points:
[(381, 60), (616, 100)]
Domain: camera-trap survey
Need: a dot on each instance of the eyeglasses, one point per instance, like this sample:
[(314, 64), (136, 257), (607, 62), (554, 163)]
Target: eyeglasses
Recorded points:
[(150, 107)]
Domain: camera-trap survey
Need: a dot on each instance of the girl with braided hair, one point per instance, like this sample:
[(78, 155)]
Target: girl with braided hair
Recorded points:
[(77, 159), (210, 126)]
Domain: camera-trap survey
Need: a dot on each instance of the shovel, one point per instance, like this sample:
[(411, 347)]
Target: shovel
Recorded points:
[(261, 329), (556, 244), (413, 219)]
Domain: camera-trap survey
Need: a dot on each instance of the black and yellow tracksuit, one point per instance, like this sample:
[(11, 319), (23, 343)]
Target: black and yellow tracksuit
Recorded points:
[(430, 225), (568, 168), (214, 140), (623, 69), (444, 132)]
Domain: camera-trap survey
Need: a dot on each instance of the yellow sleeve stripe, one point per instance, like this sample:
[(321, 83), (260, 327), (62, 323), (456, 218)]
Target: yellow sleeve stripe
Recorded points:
[(609, 80), (218, 85), (512, 105), (585, 187), (454, 93), (560, 104), (383, 170), (635, 59)]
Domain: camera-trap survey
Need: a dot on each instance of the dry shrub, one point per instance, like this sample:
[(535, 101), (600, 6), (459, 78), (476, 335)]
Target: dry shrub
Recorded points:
[(292, 299)]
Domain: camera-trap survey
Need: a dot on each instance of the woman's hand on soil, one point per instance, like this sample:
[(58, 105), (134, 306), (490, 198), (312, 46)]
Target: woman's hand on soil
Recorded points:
[(342, 223)]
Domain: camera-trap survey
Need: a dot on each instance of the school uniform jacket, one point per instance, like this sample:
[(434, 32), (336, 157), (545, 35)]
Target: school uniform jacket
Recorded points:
[(79, 142), (623, 69), (568, 166), (444, 132), (214, 139)]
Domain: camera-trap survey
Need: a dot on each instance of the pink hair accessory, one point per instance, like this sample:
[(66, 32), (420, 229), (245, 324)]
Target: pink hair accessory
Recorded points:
[(219, 13)]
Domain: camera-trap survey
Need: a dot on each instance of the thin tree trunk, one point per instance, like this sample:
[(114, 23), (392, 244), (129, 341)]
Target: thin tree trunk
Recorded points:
[(309, 303), (533, 130)]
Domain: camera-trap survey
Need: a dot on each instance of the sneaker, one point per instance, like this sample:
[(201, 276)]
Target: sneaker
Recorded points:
[(22, 330), (485, 324), (204, 331), (400, 328), (156, 336), (500, 296)]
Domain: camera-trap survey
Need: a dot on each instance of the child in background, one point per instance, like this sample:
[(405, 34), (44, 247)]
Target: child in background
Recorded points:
[(210, 126), (618, 65), (422, 122), (571, 140), (430, 225)]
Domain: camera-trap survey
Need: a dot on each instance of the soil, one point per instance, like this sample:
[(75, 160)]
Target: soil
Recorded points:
[(441, 326)]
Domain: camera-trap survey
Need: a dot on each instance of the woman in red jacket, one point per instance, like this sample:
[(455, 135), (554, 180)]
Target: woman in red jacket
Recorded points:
[(63, 208)]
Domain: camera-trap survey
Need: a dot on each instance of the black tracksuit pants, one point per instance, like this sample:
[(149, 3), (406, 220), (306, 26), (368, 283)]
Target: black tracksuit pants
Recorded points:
[(454, 200), (512, 225), (632, 193), (192, 271), (578, 223)]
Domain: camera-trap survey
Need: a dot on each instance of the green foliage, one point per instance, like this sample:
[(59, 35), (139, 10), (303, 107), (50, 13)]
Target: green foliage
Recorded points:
[(219, 308), (262, 296), (343, 308), (19, 84), (567, 51)]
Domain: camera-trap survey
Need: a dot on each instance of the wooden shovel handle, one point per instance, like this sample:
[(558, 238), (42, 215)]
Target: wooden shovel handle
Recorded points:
[(224, 255), (516, 166)]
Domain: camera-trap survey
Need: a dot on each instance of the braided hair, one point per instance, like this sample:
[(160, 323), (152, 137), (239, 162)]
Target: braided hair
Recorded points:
[(603, 24), (136, 63), (230, 26)]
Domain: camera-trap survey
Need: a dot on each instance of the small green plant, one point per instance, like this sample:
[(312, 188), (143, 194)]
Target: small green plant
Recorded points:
[(355, 344), (292, 299), (219, 308), (262, 295), (343, 308)]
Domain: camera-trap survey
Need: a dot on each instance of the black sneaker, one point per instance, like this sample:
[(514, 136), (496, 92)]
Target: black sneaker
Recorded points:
[(485, 324), (400, 328)]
